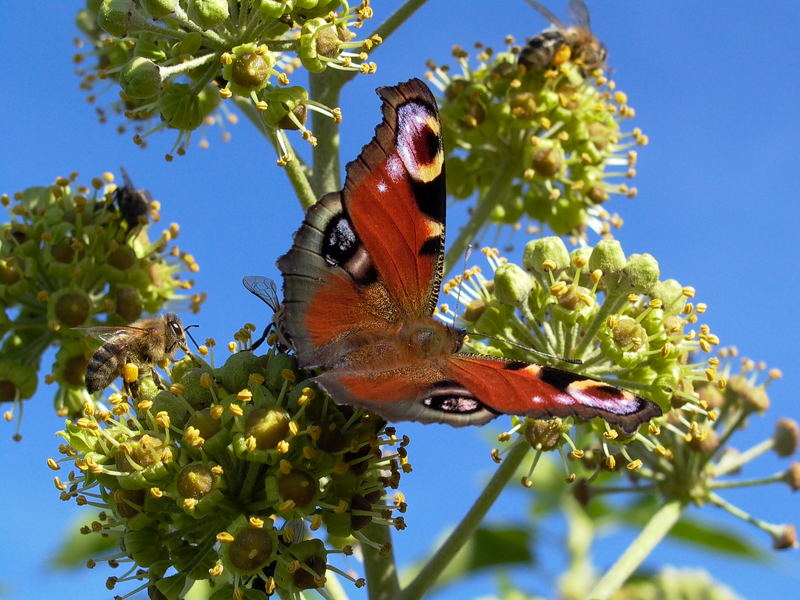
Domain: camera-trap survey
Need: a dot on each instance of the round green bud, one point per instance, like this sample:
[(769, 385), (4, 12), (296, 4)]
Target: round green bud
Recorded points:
[(670, 292), (314, 557), (140, 78), (122, 258), (641, 273), (180, 106), (175, 407), (194, 392), (607, 256), (10, 270), (236, 371), (195, 481), (142, 451), (786, 436), (128, 303), (251, 549), (267, 426), (251, 70), (17, 381), (511, 284), (548, 159), (545, 254), (159, 8), (190, 44), (204, 423), (113, 16), (298, 486), (71, 308), (208, 13), (145, 546)]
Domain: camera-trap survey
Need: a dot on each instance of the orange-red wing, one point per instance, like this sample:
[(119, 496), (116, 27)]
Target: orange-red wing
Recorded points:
[(394, 197), (416, 392), (519, 388)]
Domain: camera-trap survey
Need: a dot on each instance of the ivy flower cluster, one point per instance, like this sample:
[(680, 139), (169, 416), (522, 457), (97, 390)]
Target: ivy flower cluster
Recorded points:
[(231, 475), (626, 327), (543, 143), (174, 60), (73, 256)]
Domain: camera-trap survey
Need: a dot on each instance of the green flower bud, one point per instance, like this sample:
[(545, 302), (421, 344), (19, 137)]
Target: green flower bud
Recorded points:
[(318, 38), (206, 425), (145, 546), (128, 503), (545, 254), (113, 16), (251, 549), (286, 108), (128, 303), (122, 258), (169, 588), (236, 371), (624, 341), (607, 256), (194, 392), (175, 407), (786, 436), (548, 159), (140, 78), (267, 426), (670, 292), (180, 106), (512, 284), (274, 9), (208, 13), (251, 70), (17, 382), (641, 273), (159, 8), (299, 487), (71, 308), (195, 481)]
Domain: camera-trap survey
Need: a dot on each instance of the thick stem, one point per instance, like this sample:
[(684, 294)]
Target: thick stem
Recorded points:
[(294, 168), (446, 552), (655, 530), (380, 569), (494, 194), (325, 88)]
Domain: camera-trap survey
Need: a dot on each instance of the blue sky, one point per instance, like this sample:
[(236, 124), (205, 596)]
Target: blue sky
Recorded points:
[(715, 89)]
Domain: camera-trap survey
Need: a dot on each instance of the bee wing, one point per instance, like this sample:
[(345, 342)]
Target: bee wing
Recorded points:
[(107, 333), (579, 14), (545, 12), (264, 288)]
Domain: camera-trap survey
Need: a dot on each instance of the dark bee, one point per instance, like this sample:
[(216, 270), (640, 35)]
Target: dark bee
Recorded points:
[(133, 204), (265, 288), (559, 44), (145, 342)]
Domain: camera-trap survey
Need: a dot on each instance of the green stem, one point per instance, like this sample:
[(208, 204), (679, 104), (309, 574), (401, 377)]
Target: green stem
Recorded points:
[(379, 569), (737, 483), (294, 169), (655, 530), (436, 564), (745, 457), (325, 88), (493, 195)]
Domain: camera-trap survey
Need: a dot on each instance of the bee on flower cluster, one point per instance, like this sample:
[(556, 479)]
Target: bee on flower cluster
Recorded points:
[(560, 43), (145, 342)]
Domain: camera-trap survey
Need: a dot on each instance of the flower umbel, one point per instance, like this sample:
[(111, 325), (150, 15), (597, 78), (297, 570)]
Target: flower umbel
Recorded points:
[(78, 255), (174, 61), (554, 134), (238, 467)]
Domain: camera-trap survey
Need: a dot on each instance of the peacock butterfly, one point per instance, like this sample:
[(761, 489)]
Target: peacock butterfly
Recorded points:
[(361, 282)]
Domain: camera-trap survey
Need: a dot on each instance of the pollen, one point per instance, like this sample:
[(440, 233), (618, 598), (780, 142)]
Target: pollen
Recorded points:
[(130, 372)]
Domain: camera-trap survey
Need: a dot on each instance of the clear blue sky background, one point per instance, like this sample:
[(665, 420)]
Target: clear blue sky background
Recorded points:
[(715, 87)]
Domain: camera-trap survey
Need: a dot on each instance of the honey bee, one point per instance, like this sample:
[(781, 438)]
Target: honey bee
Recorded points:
[(145, 342), (265, 289), (559, 44)]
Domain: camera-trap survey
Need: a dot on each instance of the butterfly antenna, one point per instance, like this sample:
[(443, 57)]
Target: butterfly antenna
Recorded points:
[(467, 254), (572, 361), (186, 331)]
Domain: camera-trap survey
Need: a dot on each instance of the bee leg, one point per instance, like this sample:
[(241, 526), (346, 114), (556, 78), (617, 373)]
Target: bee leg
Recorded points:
[(157, 380), (131, 389), (260, 340)]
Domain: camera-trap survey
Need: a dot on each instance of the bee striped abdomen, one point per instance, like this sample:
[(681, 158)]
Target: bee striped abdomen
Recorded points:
[(104, 366)]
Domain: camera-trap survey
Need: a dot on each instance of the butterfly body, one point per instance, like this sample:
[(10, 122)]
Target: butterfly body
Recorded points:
[(361, 283)]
